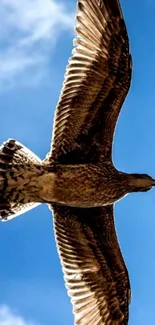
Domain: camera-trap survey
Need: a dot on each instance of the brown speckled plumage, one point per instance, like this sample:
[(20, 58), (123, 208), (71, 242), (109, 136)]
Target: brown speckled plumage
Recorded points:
[(78, 179)]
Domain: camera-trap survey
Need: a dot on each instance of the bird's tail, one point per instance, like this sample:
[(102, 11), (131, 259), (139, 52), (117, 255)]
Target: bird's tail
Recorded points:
[(13, 157)]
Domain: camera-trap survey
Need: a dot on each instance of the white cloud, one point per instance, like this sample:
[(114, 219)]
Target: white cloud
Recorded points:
[(8, 317), (28, 30)]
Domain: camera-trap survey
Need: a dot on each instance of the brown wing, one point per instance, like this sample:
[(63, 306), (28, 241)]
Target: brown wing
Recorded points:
[(94, 270), (96, 83)]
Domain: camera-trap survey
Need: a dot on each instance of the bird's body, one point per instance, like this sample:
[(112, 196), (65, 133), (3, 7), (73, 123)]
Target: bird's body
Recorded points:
[(85, 185), (82, 185), (77, 178)]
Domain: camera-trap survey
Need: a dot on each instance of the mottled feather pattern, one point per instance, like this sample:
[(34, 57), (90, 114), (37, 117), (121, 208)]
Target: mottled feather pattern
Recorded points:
[(96, 83), (14, 160), (94, 270)]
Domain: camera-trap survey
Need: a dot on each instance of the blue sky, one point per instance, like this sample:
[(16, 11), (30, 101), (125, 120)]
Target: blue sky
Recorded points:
[(35, 43)]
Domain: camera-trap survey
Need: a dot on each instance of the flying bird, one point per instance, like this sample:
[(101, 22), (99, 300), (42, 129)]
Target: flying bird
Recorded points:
[(78, 179)]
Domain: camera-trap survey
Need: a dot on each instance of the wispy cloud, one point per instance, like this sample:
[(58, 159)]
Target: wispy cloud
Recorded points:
[(8, 317), (28, 30)]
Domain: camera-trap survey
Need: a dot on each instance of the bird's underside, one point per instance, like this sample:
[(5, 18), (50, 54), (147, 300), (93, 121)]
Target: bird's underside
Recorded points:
[(96, 83)]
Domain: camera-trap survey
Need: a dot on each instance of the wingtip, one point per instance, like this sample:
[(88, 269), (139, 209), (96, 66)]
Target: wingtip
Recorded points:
[(114, 7)]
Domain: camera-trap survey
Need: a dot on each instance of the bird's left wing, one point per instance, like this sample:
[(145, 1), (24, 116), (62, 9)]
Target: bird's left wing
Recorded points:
[(94, 270), (96, 83)]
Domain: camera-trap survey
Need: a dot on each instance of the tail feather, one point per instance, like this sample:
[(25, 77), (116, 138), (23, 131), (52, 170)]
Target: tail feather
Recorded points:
[(12, 155), (14, 152), (9, 211)]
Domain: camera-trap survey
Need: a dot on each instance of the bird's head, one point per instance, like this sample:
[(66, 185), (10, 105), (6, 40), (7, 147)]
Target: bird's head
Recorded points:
[(141, 182)]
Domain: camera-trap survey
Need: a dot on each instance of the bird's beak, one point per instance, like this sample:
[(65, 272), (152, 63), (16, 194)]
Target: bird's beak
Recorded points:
[(152, 181)]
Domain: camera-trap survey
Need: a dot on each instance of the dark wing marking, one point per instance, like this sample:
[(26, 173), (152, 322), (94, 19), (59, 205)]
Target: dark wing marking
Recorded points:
[(96, 83), (94, 270)]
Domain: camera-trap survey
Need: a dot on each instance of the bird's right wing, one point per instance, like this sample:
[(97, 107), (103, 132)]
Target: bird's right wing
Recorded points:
[(94, 270)]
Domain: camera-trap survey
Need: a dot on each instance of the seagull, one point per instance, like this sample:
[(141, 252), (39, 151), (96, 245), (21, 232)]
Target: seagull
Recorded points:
[(78, 179)]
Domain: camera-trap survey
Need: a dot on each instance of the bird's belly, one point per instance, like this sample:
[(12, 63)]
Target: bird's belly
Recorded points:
[(83, 199), (77, 190), (78, 198)]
